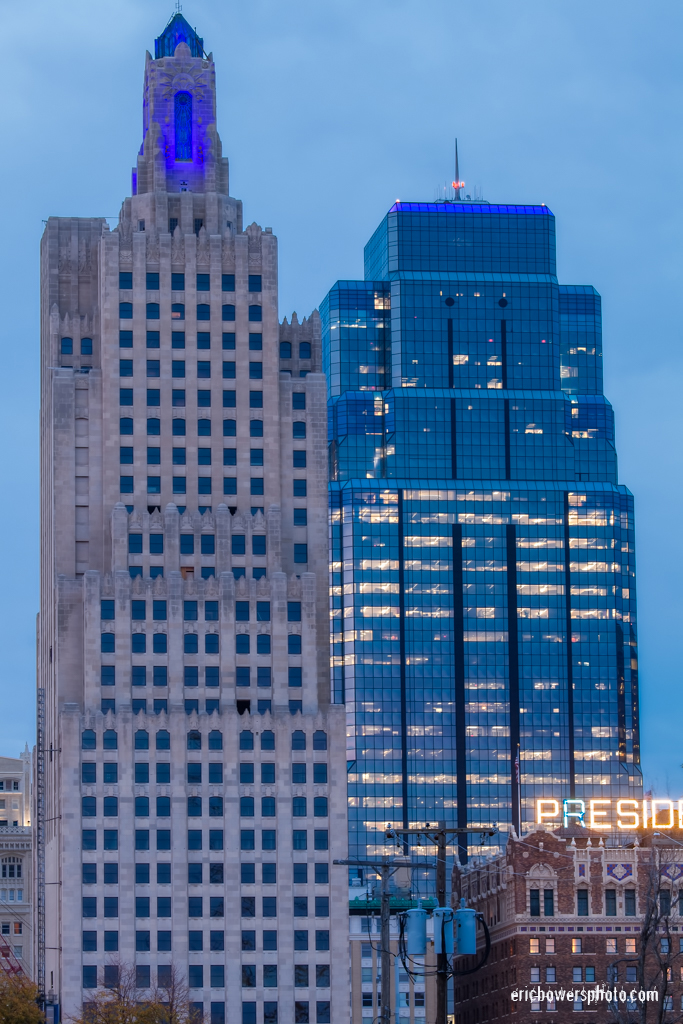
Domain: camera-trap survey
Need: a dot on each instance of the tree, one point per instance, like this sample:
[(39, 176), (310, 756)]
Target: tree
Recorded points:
[(120, 1004), (18, 1000), (656, 959), (172, 1002)]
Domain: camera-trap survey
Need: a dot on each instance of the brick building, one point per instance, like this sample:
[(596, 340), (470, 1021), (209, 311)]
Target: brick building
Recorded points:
[(569, 912)]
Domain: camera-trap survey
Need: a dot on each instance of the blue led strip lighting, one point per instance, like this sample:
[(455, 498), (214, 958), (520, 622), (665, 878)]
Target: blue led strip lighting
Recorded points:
[(468, 208), (635, 723), (402, 656), (513, 668), (459, 690), (621, 694), (570, 667)]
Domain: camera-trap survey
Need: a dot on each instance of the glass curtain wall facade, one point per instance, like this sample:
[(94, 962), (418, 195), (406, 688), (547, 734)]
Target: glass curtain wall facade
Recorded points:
[(482, 549)]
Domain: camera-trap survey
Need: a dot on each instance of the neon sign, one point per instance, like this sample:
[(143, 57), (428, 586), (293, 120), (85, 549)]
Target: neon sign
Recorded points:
[(605, 815)]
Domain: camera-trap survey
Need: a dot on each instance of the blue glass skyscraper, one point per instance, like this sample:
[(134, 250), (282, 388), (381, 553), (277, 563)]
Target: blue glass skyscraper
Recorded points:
[(482, 576)]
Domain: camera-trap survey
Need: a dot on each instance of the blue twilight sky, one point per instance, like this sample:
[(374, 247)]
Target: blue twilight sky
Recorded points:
[(329, 112)]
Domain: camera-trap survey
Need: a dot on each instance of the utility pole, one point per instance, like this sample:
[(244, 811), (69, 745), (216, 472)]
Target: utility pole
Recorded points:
[(441, 958), (439, 836), (386, 867), (385, 925)]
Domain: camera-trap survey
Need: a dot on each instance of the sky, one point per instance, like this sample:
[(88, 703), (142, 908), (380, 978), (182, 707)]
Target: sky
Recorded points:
[(329, 112)]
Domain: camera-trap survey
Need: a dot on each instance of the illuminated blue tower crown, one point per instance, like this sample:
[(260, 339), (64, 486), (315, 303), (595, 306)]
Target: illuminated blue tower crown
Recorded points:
[(181, 149), (178, 31)]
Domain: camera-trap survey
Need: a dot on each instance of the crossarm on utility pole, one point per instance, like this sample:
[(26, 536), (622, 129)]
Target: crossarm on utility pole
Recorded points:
[(385, 867), (439, 836)]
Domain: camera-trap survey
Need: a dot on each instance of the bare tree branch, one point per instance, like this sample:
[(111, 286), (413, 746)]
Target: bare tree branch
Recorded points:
[(656, 959), (120, 1004)]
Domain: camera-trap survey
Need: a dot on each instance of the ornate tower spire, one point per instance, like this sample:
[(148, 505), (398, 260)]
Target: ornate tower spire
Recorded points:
[(178, 31), (181, 148)]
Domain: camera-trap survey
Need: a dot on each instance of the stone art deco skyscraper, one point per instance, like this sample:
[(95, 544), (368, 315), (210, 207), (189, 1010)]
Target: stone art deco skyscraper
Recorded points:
[(483, 587), (193, 794)]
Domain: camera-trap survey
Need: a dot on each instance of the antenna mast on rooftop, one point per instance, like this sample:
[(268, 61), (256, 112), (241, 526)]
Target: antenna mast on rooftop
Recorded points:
[(457, 184)]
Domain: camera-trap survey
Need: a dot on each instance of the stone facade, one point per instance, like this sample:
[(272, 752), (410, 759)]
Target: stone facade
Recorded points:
[(199, 778), (569, 912), (16, 866)]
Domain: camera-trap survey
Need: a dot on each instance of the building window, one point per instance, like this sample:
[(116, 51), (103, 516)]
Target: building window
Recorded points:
[(582, 902), (108, 675), (90, 972), (548, 902), (88, 739), (183, 126), (535, 902), (320, 807), (630, 903), (107, 643), (664, 901)]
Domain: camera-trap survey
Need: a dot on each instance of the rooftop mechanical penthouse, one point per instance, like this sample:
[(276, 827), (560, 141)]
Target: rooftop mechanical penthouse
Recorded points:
[(483, 576), (191, 777)]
